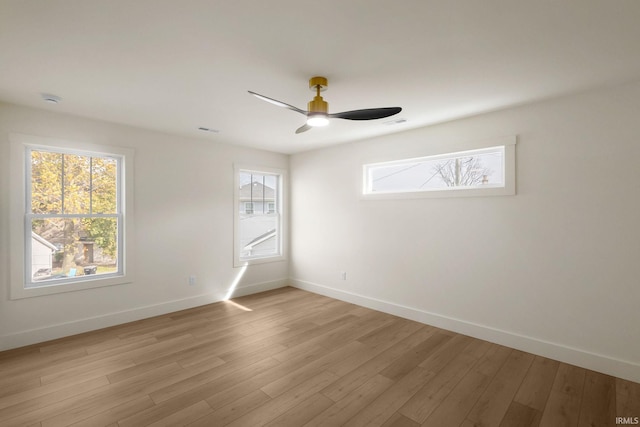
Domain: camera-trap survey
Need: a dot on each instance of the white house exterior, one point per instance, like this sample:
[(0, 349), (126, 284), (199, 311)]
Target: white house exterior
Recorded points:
[(41, 254), (258, 220), (256, 198)]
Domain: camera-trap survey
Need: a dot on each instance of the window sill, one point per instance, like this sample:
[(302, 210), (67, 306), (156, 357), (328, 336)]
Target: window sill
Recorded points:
[(462, 192), (252, 261), (19, 292)]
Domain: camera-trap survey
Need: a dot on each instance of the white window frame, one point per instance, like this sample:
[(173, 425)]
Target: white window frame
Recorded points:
[(249, 211), (280, 211), (508, 144), (20, 216)]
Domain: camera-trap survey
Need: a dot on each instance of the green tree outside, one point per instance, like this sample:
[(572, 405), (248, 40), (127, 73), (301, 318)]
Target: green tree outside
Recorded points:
[(77, 185)]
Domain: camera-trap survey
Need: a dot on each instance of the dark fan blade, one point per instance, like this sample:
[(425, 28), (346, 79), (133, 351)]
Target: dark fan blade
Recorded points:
[(305, 127), (278, 103), (367, 114)]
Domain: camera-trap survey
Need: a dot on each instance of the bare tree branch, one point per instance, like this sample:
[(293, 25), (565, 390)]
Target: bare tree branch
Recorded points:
[(462, 172)]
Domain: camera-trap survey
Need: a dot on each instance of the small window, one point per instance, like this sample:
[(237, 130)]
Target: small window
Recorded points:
[(259, 219), (485, 171)]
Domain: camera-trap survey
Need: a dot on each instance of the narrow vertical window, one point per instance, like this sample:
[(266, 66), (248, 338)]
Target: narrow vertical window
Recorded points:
[(258, 219)]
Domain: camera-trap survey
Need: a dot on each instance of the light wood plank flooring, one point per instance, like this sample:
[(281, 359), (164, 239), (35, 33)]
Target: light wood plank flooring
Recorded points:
[(293, 358)]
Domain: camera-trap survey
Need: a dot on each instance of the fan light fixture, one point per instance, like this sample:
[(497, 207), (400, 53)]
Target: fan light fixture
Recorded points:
[(317, 120)]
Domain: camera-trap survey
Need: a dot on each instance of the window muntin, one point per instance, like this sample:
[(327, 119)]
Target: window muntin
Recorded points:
[(258, 219), (74, 216)]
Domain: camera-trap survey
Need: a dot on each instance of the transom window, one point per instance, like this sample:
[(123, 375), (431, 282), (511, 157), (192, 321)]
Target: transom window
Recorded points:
[(483, 171)]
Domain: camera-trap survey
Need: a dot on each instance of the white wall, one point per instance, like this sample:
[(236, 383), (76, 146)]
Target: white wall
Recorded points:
[(183, 226), (554, 270)]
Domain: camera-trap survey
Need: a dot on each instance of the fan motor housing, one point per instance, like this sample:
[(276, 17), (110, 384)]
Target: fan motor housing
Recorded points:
[(318, 105)]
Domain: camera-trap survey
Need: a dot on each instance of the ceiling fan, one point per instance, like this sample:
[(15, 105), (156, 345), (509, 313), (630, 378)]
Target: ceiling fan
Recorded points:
[(318, 114)]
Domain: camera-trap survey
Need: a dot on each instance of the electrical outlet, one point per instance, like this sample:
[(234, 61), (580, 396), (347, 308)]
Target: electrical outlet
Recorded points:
[(192, 280), (343, 275)]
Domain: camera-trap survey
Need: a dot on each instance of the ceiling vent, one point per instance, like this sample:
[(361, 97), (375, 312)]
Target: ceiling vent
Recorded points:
[(208, 130), (395, 122), (51, 99)]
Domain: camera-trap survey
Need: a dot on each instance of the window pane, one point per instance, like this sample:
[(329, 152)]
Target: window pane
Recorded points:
[(71, 247), (471, 169), (258, 235), (77, 184), (46, 182), (104, 173), (259, 220)]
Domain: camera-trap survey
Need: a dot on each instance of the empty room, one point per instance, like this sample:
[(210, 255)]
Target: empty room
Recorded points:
[(296, 213)]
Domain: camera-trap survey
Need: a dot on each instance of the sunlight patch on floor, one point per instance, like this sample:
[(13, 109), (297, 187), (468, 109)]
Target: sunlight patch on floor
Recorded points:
[(235, 304)]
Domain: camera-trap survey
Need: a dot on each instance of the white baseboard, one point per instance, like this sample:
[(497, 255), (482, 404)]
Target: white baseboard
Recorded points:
[(574, 356), (34, 336), (259, 287), (579, 357)]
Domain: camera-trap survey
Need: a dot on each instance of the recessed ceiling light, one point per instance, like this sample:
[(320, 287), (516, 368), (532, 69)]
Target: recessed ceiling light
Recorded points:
[(51, 99), (208, 130)]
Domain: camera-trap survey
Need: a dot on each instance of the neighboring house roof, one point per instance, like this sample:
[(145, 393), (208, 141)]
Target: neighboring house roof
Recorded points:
[(263, 237), (254, 191), (43, 241)]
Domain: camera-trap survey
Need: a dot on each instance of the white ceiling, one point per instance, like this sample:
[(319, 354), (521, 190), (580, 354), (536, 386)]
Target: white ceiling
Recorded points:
[(174, 66)]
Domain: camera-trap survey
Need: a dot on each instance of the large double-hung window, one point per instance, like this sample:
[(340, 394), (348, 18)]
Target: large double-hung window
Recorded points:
[(74, 218)]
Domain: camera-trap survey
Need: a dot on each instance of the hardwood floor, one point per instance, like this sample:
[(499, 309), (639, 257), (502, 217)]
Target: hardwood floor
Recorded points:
[(293, 358)]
